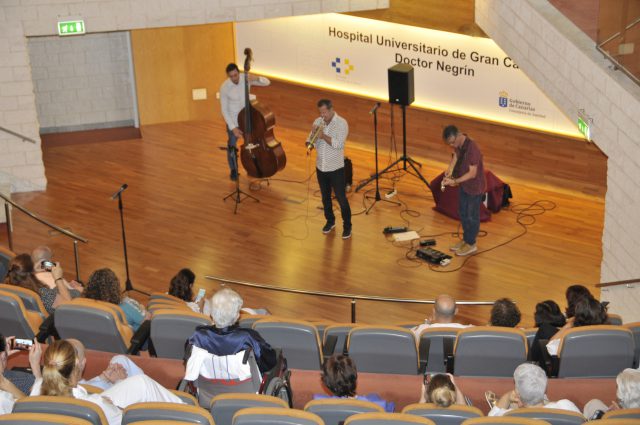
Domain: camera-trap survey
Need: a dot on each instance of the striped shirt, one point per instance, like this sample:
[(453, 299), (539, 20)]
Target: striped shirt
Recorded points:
[(330, 157), (232, 98)]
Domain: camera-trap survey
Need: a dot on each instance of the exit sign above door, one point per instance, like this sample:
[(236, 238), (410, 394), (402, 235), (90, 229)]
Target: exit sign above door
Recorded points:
[(71, 27)]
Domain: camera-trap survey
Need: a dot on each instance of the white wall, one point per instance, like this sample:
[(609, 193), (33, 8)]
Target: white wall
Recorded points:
[(24, 18), (82, 83), (564, 63)]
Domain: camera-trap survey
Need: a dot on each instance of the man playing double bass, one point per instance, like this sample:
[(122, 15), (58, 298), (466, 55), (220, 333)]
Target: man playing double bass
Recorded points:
[(232, 99), (328, 135)]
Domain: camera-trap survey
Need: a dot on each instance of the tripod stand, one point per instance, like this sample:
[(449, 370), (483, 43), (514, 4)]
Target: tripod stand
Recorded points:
[(128, 285), (377, 197), (237, 194), (404, 159)]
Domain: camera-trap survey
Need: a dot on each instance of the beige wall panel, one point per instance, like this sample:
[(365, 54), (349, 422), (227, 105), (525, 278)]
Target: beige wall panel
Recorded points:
[(170, 62)]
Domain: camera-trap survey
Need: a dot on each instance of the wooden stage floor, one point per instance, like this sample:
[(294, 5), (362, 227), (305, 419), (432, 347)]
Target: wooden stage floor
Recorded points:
[(175, 218)]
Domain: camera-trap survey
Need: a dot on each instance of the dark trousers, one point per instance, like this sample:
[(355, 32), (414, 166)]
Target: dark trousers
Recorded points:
[(232, 141), (469, 211), (334, 180)]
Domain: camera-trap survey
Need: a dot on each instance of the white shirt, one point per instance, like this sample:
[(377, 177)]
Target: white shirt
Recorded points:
[(6, 402), (563, 404), (330, 157), (418, 329), (232, 98), (553, 346)]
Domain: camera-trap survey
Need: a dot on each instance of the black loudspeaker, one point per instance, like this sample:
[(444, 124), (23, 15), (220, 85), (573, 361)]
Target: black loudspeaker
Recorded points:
[(401, 84)]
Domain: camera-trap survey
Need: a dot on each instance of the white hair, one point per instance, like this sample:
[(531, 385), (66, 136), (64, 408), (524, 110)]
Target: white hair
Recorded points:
[(225, 307), (628, 392), (531, 383)]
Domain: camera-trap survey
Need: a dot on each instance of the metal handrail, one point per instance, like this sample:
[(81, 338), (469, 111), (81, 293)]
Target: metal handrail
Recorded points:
[(75, 237), (617, 282), (21, 136), (352, 297)]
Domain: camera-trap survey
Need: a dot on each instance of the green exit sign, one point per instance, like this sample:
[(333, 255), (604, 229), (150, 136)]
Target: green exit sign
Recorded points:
[(71, 27), (583, 128)]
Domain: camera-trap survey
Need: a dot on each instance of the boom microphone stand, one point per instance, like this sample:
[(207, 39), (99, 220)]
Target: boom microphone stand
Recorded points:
[(376, 198), (128, 285), (404, 158), (237, 194)]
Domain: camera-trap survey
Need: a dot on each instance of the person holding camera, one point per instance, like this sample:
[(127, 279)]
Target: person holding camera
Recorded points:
[(13, 385), (22, 273), (42, 258)]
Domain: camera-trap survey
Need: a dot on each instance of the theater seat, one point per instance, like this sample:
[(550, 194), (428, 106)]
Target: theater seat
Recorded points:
[(164, 297), (595, 351), (99, 325), (170, 329), (489, 351), (618, 422), (40, 419), (336, 334), (553, 416), (247, 320), (30, 299), (298, 340), (622, 414), (452, 415), (435, 347), (275, 416), (634, 327), (384, 349), (67, 406), (614, 319), (225, 406), (15, 319), (140, 412), (504, 420), (185, 397), (387, 419), (335, 411)]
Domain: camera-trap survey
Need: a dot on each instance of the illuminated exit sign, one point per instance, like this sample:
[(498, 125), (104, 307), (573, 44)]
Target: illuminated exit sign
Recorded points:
[(583, 128), (71, 27)]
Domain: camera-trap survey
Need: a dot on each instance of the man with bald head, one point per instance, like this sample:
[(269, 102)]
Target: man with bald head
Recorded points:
[(442, 315), (44, 275)]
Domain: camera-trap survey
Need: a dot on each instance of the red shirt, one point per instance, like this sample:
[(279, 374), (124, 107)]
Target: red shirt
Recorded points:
[(469, 154)]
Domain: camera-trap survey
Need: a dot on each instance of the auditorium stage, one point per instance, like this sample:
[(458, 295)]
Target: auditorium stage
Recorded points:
[(175, 218)]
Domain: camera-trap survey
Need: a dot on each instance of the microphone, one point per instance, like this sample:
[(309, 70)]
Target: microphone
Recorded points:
[(375, 108), (122, 189)]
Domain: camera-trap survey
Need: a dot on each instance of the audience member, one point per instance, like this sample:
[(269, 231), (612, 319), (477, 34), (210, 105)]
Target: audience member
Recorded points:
[(43, 254), (181, 286), (530, 388), (340, 378), (628, 394), (588, 311), (442, 315), (225, 339), (22, 273), (120, 368), (549, 319), (9, 392), (62, 372), (442, 391), (573, 294), (505, 313), (103, 285), (22, 380)]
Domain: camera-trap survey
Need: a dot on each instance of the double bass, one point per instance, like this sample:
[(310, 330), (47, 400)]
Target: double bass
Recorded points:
[(261, 154)]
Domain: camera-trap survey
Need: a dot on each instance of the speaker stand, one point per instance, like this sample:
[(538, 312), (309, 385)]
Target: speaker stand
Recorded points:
[(404, 159)]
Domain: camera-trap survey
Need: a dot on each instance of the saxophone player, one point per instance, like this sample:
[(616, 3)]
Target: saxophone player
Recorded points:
[(328, 136)]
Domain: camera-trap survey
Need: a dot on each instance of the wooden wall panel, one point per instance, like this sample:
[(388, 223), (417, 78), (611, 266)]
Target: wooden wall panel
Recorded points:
[(170, 62), (512, 153)]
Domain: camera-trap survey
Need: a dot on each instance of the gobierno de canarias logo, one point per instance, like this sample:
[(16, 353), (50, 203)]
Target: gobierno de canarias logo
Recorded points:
[(503, 99)]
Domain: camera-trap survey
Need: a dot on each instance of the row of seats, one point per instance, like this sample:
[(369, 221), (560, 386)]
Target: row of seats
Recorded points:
[(264, 410), (590, 351)]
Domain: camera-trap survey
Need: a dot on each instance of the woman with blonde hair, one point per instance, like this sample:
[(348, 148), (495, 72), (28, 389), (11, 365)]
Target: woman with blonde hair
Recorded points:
[(63, 370), (442, 391)]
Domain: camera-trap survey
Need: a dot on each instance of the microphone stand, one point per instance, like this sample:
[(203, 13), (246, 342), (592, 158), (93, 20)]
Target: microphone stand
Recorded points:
[(377, 197), (237, 194), (128, 285)]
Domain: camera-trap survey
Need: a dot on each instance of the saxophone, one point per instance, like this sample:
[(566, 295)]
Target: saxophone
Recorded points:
[(314, 137)]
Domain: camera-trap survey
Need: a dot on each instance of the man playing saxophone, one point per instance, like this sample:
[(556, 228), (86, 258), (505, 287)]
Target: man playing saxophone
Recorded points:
[(328, 136)]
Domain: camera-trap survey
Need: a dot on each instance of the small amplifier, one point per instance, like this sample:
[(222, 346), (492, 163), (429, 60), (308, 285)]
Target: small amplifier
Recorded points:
[(391, 229), (428, 242)]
